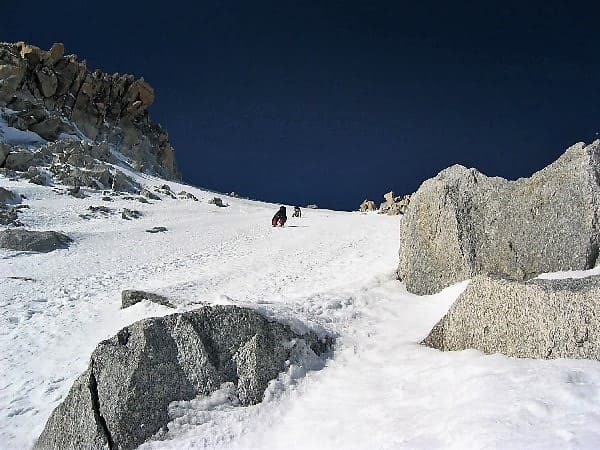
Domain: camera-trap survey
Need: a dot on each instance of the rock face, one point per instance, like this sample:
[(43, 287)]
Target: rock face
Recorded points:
[(33, 241), (531, 319), (122, 398), (52, 94), (462, 223)]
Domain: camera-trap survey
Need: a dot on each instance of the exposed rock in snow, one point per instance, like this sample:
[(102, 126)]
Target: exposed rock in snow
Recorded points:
[(122, 398), (217, 201), (393, 206), (157, 230), (34, 241), (148, 194), (9, 197), (75, 191), (367, 205), (38, 176), (129, 214), (462, 223), (187, 195), (51, 94), (9, 216), (130, 297), (165, 189), (532, 319)]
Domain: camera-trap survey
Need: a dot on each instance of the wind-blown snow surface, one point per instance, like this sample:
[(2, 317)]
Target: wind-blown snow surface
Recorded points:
[(329, 271)]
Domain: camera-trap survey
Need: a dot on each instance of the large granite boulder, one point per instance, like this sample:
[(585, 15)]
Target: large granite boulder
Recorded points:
[(462, 223), (51, 93), (525, 319), (33, 241), (122, 399)]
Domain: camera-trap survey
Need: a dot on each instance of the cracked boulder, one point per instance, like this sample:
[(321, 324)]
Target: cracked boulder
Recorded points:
[(122, 399), (538, 318), (33, 241), (462, 223)]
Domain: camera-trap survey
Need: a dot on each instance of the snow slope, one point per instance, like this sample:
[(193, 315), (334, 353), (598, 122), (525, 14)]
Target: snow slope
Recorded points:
[(328, 271)]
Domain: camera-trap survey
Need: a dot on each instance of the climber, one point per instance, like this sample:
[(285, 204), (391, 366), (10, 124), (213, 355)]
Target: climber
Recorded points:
[(297, 212), (280, 217)]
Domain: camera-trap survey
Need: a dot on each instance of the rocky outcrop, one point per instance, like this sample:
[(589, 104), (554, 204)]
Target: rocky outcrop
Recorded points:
[(73, 163), (393, 206), (532, 319), (367, 205), (122, 399), (33, 241), (462, 223), (130, 297), (50, 93)]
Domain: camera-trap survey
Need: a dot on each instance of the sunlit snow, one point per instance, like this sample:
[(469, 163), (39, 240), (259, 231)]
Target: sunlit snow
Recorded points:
[(332, 272)]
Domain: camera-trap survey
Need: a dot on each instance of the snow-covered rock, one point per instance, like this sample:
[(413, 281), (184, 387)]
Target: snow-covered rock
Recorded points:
[(462, 223), (122, 398), (525, 319)]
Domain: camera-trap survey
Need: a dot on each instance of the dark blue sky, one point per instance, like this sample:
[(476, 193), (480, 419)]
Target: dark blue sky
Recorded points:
[(330, 102)]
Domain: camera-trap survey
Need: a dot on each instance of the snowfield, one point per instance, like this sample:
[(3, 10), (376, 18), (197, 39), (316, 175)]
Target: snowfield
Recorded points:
[(329, 271)]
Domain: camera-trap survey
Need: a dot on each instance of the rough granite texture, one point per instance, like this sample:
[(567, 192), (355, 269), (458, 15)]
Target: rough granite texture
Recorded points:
[(130, 297), (33, 241), (122, 399), (462, 223), (525, 319), (50, 93)]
